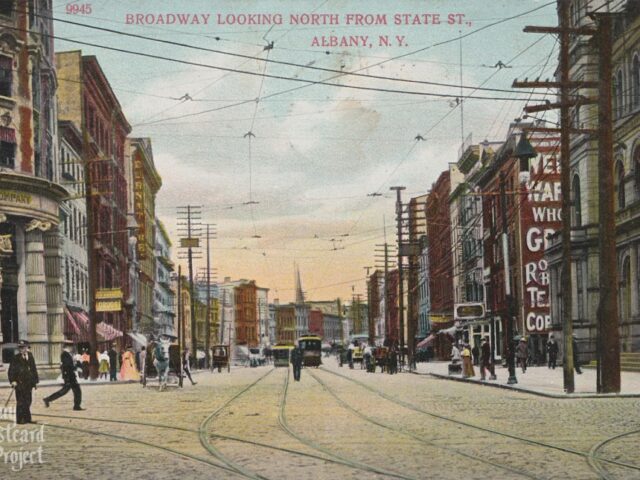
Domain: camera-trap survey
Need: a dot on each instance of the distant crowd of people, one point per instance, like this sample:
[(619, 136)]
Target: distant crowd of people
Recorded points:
[(464, 358)]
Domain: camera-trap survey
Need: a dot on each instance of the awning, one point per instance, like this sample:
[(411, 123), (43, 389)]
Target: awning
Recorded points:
[(139, 338), (426, 342), (450, 331), (77, 325), (71, 325), (107, 332)]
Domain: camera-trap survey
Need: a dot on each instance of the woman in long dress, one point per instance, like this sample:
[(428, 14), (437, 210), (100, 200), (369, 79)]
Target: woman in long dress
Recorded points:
[(103, 358), (128, 369)]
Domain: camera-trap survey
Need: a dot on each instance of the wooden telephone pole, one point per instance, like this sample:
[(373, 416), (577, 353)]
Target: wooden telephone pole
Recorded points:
[(608, 336)]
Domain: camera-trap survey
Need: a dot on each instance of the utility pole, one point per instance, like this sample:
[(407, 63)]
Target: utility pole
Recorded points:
[(564, 86), (385, 267), (565, 187), (507, 284), (398, 191), (339, 304), (608, 335), (224, 302), (370, 331), (207, 338), (191, 214), (180, 324)]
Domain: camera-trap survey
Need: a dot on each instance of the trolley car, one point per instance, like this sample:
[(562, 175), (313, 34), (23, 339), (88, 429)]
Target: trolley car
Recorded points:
[(311, 346), (280, 355)]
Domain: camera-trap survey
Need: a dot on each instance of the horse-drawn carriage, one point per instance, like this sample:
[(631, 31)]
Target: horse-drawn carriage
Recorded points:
[(381, 356), (220, 357), (163, 363)]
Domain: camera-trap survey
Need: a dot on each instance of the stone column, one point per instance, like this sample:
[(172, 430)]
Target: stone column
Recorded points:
[(54, 278), (5, 250), (36, 289)]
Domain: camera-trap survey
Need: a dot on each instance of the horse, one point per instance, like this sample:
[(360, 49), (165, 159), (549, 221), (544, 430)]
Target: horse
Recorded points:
[(161, 362)]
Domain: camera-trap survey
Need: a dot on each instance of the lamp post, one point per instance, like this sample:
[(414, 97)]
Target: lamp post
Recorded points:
[(523, 152)]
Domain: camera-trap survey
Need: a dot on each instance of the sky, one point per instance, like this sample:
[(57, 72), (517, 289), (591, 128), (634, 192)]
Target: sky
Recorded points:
[(286, 169)]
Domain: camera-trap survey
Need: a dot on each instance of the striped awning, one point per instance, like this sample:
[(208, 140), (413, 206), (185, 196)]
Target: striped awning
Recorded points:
[(77, 327), (108, 332)]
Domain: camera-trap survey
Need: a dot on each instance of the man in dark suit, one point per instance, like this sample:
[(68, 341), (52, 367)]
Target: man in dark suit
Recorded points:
[(296, 360), (69, 378), (113, 364), (23, 376)]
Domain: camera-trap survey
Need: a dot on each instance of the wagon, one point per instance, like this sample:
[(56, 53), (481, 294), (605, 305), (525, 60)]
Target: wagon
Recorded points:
[(220, 357)]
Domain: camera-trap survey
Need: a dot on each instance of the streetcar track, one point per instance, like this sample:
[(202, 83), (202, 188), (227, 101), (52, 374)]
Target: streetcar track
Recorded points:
[(141, 442), (483, 429), (594, 460), (192, 430), (204, 436), (213, 435), (282, 420), (418, 438)]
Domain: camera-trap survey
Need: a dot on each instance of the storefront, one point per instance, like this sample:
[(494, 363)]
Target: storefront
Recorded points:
[(30, 265)]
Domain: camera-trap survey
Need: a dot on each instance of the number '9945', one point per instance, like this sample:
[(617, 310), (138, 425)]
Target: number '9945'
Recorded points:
[(78, 8)]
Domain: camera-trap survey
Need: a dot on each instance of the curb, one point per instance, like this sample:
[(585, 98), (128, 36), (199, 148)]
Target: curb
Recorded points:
[(6, 385), (531, 391)]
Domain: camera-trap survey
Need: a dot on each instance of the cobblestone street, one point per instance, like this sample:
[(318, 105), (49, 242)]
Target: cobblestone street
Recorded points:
[(335, 423)]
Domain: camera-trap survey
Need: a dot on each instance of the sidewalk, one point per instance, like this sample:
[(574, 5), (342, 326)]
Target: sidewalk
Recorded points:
[(4, 383), (539, 381)]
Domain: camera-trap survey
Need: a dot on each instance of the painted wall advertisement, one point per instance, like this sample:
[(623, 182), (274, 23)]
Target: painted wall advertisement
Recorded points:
[(540, 217)]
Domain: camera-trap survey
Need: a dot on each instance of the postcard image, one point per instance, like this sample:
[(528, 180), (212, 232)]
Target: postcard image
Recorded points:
[(318, 239)]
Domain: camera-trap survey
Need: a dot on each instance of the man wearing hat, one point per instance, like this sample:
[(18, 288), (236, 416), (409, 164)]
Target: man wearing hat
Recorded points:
[(486, 362), (576, 352), (23, 376), (69, 378)]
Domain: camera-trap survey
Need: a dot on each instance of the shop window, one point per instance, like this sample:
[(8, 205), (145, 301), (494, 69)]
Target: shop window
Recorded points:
[(6, 76), (7, 154)]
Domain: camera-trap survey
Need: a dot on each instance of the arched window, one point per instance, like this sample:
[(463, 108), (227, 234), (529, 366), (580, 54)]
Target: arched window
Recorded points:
[(620, 185), (620, 94), (636, 170), (635, 78), (625, 289), (576, 219)]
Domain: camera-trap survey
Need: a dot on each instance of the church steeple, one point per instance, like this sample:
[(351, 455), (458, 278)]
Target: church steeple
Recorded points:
[(299, 291)]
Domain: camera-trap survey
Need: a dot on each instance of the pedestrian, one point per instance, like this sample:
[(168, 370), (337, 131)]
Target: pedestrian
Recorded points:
[(113, 364), (475, 352), (486, 361), (185, 365), (576, 362), (143, 366), (296, 361), (552, 351), (467, 365), (23, 376), (128, 368), (350, 351), (103, 368), (455, 354), (522, 353), (85, 364), (393, 361), (161, 362), (68, 377)]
